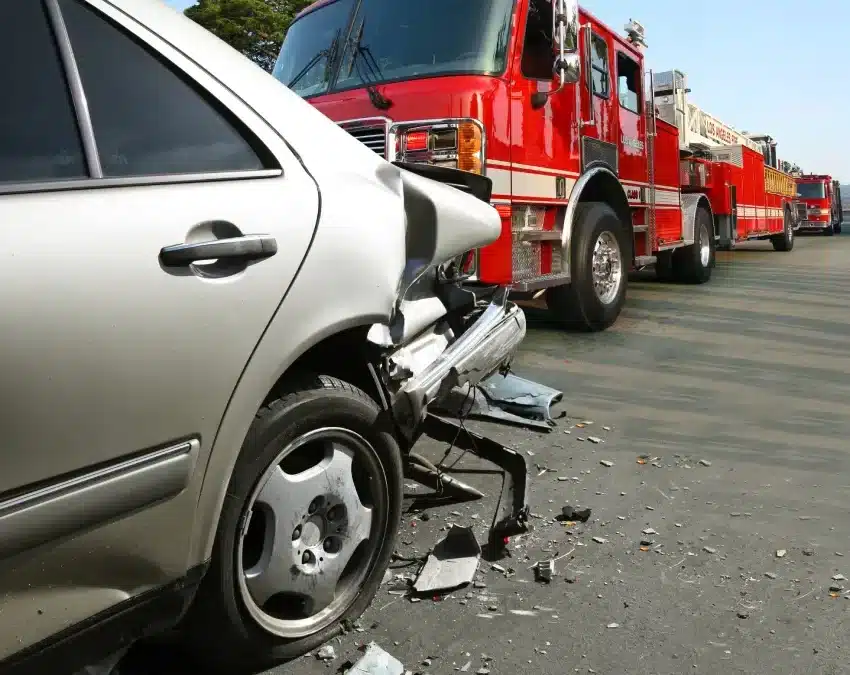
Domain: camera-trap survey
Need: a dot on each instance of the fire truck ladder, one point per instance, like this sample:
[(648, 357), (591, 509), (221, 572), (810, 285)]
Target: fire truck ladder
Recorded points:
[(651, 133)]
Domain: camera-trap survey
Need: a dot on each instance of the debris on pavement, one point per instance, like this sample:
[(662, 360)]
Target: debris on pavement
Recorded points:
[(781, 553), (613, 625), (326, 653), (573, 513), (452, 563), (605, 462), (375, 661), (709, 549), (600, 540), (595, 440), (544, 571), (704, 462), (839, 577)]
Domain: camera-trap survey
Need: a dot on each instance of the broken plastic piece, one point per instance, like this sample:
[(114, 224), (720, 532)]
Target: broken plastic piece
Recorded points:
[(376, 662), (451, 564), (507, 398), (571, 513), (544, 571), (513, 510)]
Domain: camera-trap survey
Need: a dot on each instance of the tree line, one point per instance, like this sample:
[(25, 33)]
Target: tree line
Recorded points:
[(253, 27)]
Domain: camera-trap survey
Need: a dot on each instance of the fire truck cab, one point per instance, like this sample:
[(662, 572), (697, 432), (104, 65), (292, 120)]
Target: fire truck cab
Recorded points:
[(822, 198), (554, 107)]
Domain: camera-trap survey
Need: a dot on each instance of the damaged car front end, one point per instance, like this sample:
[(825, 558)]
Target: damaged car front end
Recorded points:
[(450, 334)]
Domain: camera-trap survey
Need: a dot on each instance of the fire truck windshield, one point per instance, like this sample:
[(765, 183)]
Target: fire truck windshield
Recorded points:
[(811, 191), (327, 49)]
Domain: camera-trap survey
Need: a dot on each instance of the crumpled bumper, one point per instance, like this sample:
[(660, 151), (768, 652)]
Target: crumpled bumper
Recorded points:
[(484, 348)]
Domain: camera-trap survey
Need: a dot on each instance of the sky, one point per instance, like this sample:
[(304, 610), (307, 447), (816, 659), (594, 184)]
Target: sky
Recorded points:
[(753, 65)]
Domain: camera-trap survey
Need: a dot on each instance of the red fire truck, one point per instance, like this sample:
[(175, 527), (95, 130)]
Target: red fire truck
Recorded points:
[(557, 110), (822, 197)]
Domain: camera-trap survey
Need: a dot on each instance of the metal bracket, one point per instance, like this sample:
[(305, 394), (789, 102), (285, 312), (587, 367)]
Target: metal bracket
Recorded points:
[(512, 515)]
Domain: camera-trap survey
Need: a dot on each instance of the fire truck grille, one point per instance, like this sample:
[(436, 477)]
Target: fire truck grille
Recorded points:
[(594, 151), (802, 212), (371, 133), (526, 259)]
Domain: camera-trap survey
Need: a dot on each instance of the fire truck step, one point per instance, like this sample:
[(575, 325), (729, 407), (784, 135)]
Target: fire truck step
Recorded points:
[(644, 260)]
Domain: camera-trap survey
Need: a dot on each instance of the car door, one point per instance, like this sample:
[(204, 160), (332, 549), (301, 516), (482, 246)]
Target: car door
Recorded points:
[(118, 359)]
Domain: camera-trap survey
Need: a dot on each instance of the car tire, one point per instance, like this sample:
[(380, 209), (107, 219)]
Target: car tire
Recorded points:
[(692, 264), (784, 241), (239, 616), (584, 305)]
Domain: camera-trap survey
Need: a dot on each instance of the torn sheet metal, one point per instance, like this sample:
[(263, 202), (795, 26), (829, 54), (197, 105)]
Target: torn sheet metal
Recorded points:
[(376, 662), (507, 398), (451, 564)]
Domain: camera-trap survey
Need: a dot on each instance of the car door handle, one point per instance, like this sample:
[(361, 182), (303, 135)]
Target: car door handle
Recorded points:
[(247, 247)]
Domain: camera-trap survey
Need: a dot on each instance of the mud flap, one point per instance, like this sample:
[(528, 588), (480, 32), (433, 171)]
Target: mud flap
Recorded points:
[(513, 511), (504, 398)]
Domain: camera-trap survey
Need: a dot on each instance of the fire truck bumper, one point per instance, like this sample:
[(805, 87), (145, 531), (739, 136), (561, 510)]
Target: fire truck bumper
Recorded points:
[(814, 225)]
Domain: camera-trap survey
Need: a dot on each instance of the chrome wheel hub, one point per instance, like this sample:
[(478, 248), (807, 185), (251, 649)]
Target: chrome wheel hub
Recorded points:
[(306, 543), (704, 247), (607, 267)]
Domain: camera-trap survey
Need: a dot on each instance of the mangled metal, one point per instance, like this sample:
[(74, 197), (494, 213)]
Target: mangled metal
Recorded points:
[(451, 564)]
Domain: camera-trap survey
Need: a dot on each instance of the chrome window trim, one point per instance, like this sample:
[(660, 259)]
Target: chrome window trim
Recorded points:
[(134, 181), (75, 85)]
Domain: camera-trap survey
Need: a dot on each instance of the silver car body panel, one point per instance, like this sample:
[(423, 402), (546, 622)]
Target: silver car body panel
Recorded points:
[(99, 340)]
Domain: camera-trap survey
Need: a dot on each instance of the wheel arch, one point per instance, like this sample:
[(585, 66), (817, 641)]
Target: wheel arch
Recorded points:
[(333, 350), (691, 204), (597, 184)]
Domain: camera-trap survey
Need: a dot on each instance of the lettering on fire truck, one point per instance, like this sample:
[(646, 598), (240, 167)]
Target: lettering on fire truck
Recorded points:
[(778, 183), (634, 143), (633, 194)]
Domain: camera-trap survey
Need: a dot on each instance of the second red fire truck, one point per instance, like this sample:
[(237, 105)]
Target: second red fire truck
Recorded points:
[(593, 176), (822, 197)]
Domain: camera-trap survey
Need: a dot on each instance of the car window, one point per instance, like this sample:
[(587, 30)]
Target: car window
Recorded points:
[(147, 120), (39, 138)]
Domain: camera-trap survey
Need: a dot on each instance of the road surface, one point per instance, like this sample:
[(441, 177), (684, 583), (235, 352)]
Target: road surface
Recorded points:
[(736, 394)]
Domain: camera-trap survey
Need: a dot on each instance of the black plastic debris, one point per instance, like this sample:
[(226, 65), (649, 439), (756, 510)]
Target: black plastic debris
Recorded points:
[(451, 564), (544, 571), (572, 513)]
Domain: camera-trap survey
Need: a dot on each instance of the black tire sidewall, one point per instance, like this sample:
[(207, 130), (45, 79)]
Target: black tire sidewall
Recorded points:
[(219, 600), (594, 219)]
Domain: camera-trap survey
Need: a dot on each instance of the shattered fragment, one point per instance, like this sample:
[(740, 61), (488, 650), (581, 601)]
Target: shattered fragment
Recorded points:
[(326, 653), (595, 440), (600, 540), (375, 661), (613, 625), (839, 577), (704, 462), (452, 563), (568, 513), (649, 530), (781, 553), (605, 462), (544, 571), (808, 552), (770, 575), (743, 614), (709, 549)]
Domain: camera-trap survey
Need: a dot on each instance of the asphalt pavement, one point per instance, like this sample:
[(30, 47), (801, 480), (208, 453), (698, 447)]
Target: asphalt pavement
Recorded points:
[(718, 488)]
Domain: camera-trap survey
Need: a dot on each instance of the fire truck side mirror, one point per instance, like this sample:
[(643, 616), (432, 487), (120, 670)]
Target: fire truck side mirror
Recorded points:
[(567, 65), (565, 35)]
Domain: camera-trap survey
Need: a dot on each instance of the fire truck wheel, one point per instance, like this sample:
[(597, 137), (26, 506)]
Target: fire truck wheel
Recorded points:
[(692, 264), (599, 254), (838, 228), (784, 241), (829, 231)]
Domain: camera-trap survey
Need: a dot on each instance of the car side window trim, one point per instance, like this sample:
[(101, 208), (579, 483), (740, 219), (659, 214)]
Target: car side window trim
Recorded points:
[(75, 84), (96, 179), (135, 181)]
